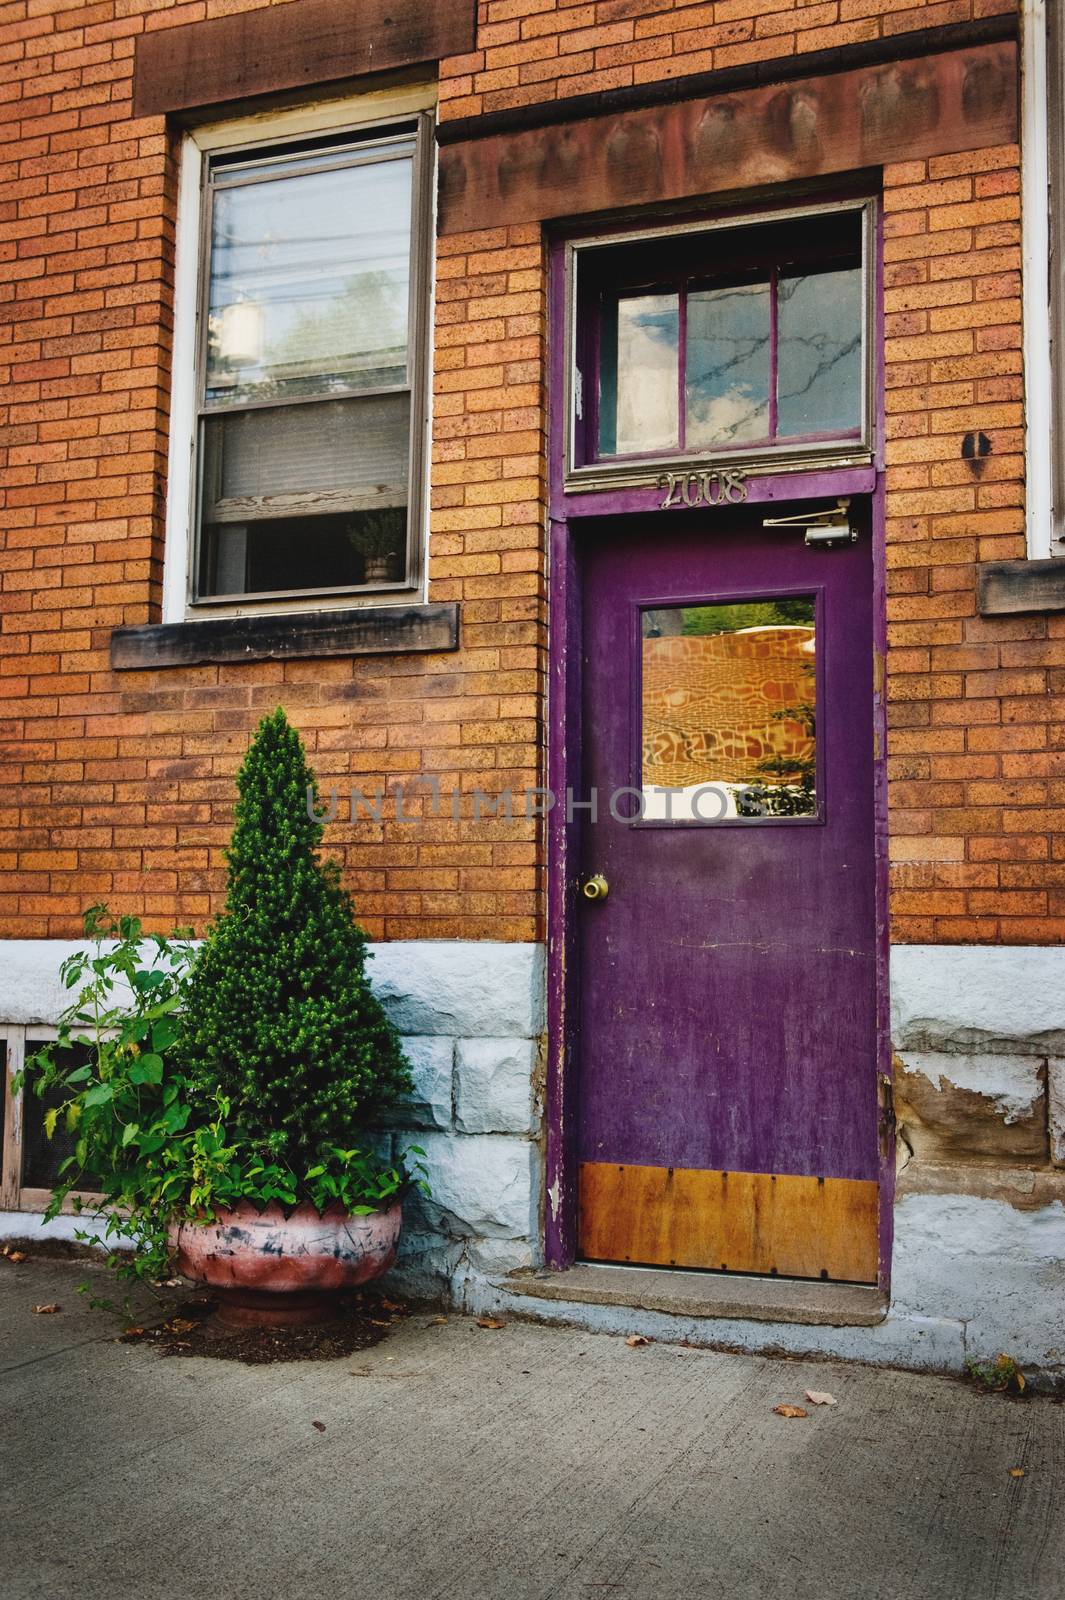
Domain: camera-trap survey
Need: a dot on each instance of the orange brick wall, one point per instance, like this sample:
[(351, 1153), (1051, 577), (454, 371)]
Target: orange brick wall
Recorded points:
[(976, 704), (120, 786), (536, 50)]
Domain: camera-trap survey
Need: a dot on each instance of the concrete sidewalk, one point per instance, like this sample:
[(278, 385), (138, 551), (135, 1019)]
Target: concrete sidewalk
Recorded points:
[(519, 1464)]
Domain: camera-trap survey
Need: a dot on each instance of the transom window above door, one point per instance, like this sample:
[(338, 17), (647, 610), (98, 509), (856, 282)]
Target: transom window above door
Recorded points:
[(742, 344), (310, 373)]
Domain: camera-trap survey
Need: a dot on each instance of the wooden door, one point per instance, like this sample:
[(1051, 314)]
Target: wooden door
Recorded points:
[(727, 1040)]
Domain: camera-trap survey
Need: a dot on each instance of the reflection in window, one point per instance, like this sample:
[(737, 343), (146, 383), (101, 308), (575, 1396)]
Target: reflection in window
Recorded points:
[(819, 352), (727, 366), (729, 711), (742, 339), (640, 366), (309, 281)]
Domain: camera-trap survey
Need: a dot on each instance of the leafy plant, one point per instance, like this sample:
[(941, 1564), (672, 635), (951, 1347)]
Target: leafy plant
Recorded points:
[(111, 1081), (999, 1376), (377, 533)]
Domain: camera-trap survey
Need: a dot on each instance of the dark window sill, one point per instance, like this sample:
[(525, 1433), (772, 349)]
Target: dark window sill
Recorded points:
[(1008, 587), (370, 630)]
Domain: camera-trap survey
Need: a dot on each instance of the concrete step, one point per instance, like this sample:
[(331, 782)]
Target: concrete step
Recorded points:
[(705, 1294)]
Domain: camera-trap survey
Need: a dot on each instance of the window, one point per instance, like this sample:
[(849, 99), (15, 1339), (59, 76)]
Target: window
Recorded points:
[(725, 343), (728, 697), (31, 1160), (310, 370)]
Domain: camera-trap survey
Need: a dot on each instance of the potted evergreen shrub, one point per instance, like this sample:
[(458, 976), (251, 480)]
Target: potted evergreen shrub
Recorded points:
[(227, 1109)]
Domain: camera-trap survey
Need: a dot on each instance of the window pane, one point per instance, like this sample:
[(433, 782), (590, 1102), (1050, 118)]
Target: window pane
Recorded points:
[(639, 375), (42, 1157), (819, 353), (306, 496), (304, 551), (341, 455), (309, 279), (728, 711), (727, 370)]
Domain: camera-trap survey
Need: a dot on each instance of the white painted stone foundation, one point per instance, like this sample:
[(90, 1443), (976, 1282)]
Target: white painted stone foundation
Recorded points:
[(471, 1017), (979, 1255)]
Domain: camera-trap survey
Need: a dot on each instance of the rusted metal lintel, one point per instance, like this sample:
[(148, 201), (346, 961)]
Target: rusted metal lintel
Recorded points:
[(781, 133)]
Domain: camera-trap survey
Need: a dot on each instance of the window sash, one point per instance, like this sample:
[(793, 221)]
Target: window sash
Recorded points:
[(585, 467), (402, 138), (684, 291)]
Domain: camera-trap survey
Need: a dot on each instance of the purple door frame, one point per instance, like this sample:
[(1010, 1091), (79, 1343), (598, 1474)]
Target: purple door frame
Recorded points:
[(564, 763)]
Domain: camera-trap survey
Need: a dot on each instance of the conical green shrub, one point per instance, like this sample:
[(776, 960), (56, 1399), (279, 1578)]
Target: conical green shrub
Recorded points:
[(280, 1015)]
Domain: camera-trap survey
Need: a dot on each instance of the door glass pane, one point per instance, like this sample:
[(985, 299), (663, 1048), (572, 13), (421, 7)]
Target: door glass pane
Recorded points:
[(819, 353), (638, 407), (728, 711), (727, 367), (309, 280)]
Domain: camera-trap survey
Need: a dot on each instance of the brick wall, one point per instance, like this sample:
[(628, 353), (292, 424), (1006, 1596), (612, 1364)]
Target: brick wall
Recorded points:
[(120, 786), (536, 50), (977, 704)]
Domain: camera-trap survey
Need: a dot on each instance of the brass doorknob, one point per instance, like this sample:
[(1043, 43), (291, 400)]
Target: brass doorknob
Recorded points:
[(595, 887)]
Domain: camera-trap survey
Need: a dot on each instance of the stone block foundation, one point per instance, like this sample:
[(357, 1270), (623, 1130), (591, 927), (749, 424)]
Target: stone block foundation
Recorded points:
[(978, 1261)]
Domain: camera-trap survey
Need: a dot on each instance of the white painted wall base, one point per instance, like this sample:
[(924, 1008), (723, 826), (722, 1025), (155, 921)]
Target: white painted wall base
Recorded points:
[(972, 1274)]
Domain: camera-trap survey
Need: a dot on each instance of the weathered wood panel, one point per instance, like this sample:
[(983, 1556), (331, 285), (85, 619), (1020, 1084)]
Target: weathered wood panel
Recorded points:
[(759, 1222), (294, 46), (1009, 587), (780, 133), (368, 630)]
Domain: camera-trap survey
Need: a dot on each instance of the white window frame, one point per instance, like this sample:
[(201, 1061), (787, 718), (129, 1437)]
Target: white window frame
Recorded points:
[(334, 116), (1043, 216)]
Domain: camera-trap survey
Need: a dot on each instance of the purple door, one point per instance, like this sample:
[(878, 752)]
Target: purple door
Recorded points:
[(727, 1063)]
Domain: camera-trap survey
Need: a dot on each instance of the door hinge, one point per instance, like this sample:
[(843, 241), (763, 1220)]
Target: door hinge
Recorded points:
[(885, 1102)]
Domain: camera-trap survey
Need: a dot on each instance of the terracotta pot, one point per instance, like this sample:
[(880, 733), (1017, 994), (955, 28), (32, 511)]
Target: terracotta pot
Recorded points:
[(270, 1268)]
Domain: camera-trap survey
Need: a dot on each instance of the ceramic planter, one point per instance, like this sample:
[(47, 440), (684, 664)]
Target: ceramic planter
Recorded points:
[(273, 1268), (380, 569)]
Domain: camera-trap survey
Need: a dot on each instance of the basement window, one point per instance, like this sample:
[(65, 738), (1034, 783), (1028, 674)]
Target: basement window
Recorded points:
[(31, 1161), (740, 343), (310, 368)]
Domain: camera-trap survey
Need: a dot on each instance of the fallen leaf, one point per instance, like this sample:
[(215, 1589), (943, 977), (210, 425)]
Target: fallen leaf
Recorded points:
[(180, 1325), (1018, 1472), (390, 1305), (133, 1333), (319, 1425), (790, 1411), (14, 1255), (490, 1322), (635, 1340), (436, 1320), (45, 1311), (818, 1397)]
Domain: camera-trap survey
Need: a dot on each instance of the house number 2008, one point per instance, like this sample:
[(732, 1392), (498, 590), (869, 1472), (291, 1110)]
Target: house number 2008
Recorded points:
[(703, 488)]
